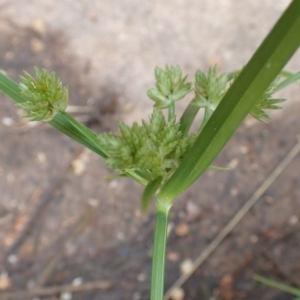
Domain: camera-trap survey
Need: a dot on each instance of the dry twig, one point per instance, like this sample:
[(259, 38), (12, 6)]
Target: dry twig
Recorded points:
[(101, 285)]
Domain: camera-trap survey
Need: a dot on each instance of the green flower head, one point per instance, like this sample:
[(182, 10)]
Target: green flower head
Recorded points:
[(43, 96), (156, 147), (210, 88), (266, 102), (170, 86)]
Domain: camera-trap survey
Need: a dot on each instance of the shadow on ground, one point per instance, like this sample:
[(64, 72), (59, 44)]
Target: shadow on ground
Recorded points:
[(61, 220)]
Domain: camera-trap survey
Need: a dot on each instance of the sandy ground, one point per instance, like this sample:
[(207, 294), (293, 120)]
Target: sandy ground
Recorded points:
[(120, 42), (55, 204)]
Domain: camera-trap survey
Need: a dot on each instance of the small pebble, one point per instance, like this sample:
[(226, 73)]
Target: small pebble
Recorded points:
[(38, 25), (36, 45), (233, 192), (254, 166), (77, 281), (120, 236), (5, 281), (41, 157), (92, 15), (294, 220), (186, 266), (253, 238), (13, 259), (177, 294), (182, 229), (181, 214), (66, 296), (233, 163), (78, 166), (7, 121), (172, 256), (141, 277), (270, 200), (192, 210), (250, 121), (136, 296), (93, 202), (113, 184), (244, 149)]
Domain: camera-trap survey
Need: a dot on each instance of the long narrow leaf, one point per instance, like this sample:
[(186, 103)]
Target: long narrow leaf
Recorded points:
[(66, 124), (10, 88), (283, 287), (254, 79), (293, 78), (62, 121), (188, 117), (149, 193)]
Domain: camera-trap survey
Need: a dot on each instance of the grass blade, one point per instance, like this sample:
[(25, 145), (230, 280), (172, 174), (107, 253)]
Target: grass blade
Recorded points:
[(66, 124), (293, 78), (254, 79), (10, 88), (149, 193), (159, 251), (188, 117), (283, 287), (62, 121)]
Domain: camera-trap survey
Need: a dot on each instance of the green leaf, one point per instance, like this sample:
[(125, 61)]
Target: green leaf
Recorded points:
[(10, 88), (159, 251), (62, 121), (149, 192), (209, 90), (291, 79), (213, 167), (188, 117), (66, 124), (283, 287), (252, 82)]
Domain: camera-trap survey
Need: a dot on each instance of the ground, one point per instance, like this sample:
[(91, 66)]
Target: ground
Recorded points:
[(63, 222)]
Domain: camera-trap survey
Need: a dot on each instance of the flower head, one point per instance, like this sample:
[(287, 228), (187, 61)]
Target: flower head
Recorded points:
[(156, 146), (43, 96), (266, 102), (170, 86), (210, 88)]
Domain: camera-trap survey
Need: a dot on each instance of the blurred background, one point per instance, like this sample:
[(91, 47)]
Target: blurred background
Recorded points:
[(63, 223)]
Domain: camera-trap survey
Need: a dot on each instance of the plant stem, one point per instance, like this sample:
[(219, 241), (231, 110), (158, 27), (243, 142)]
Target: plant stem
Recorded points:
[(205, 118), (283, 287), (254, 79), (171, 111), (188, 117), (159, 249)]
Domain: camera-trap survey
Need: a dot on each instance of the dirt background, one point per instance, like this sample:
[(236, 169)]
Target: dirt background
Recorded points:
[(62, 222)]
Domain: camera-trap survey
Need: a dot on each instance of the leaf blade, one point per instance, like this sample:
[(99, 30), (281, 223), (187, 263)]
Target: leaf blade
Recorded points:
[(149, 193), (278, 285), (253, 81)]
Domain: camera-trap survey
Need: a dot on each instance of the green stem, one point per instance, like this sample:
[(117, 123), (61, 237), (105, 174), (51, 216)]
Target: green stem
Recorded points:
[(283, 287), (158, 260), (188, 117), (171, 111), (205, 118), (291, 79), (66, 124)]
